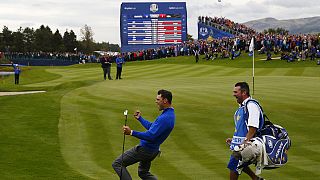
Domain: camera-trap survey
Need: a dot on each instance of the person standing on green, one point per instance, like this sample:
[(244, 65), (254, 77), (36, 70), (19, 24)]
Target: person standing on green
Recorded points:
[(119, 62), (17, 72)]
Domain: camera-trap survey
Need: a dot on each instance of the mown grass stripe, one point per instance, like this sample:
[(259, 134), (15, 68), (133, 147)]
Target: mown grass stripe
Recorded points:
[(209, 71), (236, 72), (163, 70), (311, 72), (73, 141), (263, 71), (227, 72), (198, 155), (150, 69), (181, 71), (181, 160), (167, 169), (294, 72)]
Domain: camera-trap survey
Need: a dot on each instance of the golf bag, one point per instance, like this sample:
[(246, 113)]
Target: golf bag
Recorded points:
[(277, 143), (267, 150)]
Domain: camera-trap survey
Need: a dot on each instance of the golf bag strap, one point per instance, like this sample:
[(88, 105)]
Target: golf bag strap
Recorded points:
[(265, 117)]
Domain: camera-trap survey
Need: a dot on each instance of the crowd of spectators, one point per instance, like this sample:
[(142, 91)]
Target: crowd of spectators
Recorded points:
[(291, 47), (288, 47), (52, 56), (218, 46), (227, 25)]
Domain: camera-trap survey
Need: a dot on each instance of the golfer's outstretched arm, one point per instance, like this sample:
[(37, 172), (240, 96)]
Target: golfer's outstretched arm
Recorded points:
[(157, 129), (145, 123)]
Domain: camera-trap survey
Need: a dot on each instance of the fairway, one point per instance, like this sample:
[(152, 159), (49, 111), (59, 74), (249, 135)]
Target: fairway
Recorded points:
[(73, 131)]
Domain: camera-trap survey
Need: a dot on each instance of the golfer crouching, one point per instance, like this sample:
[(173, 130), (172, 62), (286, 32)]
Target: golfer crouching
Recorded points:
[(150, 140)]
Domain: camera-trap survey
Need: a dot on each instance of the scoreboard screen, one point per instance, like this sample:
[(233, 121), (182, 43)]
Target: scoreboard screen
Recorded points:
[(151, 25)]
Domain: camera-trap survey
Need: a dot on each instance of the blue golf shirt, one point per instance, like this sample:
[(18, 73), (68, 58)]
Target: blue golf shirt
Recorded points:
[(157, 132)]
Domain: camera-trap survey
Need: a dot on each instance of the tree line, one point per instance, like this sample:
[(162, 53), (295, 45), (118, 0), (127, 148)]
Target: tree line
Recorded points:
[(45, 40)]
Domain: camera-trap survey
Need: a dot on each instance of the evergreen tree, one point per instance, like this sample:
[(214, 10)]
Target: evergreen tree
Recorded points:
[(70, 41), (7, 39), (43, 39), (18, 41), (57, 43), (28, 34), (73, 41), (106, 46)]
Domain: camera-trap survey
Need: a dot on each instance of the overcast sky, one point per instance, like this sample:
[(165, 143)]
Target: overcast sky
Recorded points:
[(103, 16)]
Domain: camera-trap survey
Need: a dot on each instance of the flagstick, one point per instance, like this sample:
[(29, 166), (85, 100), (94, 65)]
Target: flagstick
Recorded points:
[(253, 72), (251, 49)]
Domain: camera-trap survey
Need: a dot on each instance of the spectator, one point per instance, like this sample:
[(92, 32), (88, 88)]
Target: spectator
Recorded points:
[(106, 66), (119, 62), (196, 53), (17, 72)]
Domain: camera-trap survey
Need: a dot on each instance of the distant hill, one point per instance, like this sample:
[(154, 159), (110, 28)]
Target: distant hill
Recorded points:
[(294, 26)]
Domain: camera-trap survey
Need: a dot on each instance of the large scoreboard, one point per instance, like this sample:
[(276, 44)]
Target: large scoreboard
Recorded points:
[(151, 25)]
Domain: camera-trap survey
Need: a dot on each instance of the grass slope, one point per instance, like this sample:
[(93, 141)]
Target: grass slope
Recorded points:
[(74, 130)]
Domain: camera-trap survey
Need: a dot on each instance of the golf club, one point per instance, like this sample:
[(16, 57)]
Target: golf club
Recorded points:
[(125, 113)]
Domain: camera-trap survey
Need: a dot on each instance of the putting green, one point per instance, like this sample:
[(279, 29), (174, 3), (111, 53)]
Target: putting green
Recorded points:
[(74, 129), (91, 118)]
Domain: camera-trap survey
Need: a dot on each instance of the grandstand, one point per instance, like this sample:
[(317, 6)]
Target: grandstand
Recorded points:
[(218, 28)]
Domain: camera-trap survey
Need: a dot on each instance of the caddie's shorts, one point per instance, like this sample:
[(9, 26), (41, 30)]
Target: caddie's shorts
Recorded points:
[(233, 164)]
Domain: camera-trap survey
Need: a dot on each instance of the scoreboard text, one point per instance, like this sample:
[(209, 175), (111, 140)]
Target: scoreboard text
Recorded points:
[(150, 25)]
